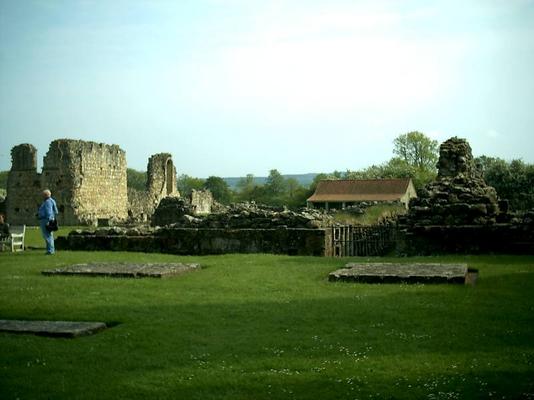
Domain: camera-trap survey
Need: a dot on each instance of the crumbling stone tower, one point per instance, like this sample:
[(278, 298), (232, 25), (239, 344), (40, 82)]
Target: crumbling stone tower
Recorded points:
[(161, 178), (161, 183), (87, 179), (23, 186), (459, 196)]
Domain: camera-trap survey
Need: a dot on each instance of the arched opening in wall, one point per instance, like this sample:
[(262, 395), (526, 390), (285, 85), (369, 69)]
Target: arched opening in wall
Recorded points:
[(169, 169)]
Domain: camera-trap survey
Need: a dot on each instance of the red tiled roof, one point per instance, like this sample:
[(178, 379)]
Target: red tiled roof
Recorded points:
[(360, 190)]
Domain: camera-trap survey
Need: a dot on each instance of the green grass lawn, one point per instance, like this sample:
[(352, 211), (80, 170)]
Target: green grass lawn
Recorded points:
[(268, 327), (33, 238)]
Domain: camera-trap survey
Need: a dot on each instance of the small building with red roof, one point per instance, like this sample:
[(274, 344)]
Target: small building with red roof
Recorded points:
[(347, 192)]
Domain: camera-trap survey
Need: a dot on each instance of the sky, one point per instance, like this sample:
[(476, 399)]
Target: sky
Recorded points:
[(231, 87)]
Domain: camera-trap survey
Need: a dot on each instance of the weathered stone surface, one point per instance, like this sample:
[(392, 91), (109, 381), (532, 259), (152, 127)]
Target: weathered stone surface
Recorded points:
[(459, 213), (170, 210), (189, 241), (201, 202), (391, 273), (52, 328), (467, 239), (161, 183), (125, 270), (459, 196), (88, 181), (239, 216)]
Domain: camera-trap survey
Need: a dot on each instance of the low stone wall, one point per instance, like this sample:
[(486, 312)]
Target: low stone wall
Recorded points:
[(190, 241), (467, 239)]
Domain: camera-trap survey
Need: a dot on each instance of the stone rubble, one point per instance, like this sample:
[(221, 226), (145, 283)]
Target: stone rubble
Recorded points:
[(178, 214), (459, 196), (88, 181)]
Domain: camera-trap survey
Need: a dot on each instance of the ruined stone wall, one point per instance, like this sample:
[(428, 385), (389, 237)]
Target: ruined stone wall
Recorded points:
[(161, 177), (467, 239), (23, 186), (161, 183), (178, 212), (87, 180), (459, 196), (139, 208), (201, 201), (306, 242), (459, 213)]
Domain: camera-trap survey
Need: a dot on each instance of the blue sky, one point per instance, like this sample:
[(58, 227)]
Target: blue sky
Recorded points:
[(231, 87)]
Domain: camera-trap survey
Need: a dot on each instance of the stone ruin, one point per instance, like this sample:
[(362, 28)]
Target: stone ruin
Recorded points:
[(179, 213), (460, 213), (459, 196), (88, 181), (161, 183)]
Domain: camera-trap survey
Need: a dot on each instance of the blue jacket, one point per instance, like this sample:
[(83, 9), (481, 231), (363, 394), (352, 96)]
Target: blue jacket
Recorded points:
[(48, 210)]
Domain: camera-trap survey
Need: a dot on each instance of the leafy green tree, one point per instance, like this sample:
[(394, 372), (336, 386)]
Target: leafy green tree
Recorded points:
[(292, 186), (219, 188), (136, 179), (276, 185), (417, 150), (3, 179), (513, 180), (246, 188), (394, 168), (416, 157), (322, 176), (186, 184), (277, 191)]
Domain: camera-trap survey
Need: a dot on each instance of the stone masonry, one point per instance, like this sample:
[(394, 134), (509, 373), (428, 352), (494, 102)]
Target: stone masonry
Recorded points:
[(23, 186), (161, 183), (87, 179), (460, 213), (202, 202), (459, 196), (179, 213)]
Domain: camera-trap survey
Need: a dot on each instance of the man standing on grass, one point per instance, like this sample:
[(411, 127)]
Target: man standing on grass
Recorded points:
[(47, 213)]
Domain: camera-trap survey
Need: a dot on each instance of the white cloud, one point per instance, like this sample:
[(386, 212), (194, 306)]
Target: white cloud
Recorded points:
[(324, 63)]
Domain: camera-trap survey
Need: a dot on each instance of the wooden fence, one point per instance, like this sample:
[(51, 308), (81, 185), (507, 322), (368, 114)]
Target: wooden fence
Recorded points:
[(349, 240)]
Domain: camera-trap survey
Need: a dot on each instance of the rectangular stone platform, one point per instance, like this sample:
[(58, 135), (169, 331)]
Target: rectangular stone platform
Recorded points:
[(410, 273), (124, 270), (68, 329)]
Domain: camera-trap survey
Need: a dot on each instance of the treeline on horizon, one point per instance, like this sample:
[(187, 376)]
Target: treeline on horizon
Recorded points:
[(414, 156)]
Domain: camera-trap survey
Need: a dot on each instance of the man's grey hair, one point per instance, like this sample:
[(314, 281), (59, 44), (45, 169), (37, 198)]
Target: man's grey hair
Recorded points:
[(47, 192)]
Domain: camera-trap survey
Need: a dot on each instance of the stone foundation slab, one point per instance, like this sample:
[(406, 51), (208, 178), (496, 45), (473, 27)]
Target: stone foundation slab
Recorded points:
[(69, 329), (124, 270), (394, 273)]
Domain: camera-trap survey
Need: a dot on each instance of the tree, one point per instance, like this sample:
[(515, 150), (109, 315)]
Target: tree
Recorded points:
[(246, 188), (512, 180), (219, 188), (275, 186), (395, 168), (417, 150), (296, 195), (322, 176), (186, 184), (136, 179), (3, 179)]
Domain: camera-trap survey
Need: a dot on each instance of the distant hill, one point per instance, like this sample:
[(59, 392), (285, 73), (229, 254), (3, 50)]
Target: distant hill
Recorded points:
[(303, 179)]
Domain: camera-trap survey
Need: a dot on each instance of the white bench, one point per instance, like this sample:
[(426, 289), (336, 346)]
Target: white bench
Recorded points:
[(15, 238)]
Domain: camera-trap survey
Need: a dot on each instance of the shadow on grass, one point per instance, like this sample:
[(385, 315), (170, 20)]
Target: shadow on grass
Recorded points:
[(407, 344), (268, 327)]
